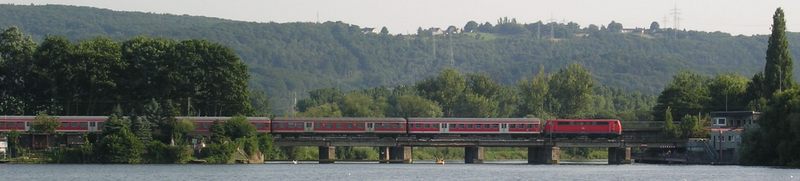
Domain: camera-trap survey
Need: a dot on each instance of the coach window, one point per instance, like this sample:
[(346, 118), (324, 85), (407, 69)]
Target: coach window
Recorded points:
[(469, 126), (494, 125), (477, 126), (329, 125), (453, 126), (435, 125), (513, 126), (563, 123)]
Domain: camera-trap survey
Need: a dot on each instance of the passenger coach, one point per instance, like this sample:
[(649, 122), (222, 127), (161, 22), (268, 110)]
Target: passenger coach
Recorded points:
[(339, 125), (474, 126)]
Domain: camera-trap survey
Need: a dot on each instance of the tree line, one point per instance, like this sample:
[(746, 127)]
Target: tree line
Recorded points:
[(90, 77), (569, 93)]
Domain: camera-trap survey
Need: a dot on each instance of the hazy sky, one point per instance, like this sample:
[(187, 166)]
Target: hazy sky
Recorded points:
[(404, 16)]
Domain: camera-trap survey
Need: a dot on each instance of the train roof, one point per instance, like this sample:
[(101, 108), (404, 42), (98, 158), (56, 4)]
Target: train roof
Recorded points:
[(583, 120), (338, 119), (474, 119)]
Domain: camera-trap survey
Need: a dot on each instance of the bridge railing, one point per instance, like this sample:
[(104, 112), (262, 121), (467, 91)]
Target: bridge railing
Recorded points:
[(642, 125)]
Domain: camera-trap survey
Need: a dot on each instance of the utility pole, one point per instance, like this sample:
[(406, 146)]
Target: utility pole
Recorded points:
[(676, 16)]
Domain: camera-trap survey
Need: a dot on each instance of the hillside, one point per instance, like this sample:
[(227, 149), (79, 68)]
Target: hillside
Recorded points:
[(293, 58)]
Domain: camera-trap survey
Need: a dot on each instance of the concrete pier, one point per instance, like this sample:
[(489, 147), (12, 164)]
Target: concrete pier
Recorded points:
[(401, 154), (383, 154), (543, 155), (327, 154), (473, 154), (619, 155)]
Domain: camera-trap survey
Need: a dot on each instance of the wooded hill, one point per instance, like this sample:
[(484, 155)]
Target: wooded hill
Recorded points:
[(293, 58)]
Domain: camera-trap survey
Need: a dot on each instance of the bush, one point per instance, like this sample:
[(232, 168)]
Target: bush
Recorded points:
[(221, 153), (158, 152)]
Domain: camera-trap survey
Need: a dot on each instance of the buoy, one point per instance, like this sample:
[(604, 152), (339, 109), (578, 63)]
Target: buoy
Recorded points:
[(294, 161)]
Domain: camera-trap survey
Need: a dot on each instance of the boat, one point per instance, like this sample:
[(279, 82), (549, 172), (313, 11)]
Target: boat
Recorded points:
[(440, 161)]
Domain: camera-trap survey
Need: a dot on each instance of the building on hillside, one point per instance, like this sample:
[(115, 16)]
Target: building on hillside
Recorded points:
[(725, 133)]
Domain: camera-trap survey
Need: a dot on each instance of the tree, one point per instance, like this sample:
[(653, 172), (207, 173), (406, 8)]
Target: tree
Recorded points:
[(97, 66), (218, 132), (654, 27), (686, 94), (446, 89), (320, 96), (141, 128), (181, 130), (407, 106), (476, 106), (486, 28), (384, 31), (471, 26), (777, 139), (614, 27), (534, 95), (727, 92), (359, 105), (778, 69), (260, 103), (693, 126), (324, 110), (239, 127), (16, 53), (571, 90), (44, 123), (669, 127), (118, 144)]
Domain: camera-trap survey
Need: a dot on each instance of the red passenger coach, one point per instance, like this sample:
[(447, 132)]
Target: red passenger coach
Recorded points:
[(80, 123), (15, 123), (609, 128), (339, 125), (514, 126), (66, 123)]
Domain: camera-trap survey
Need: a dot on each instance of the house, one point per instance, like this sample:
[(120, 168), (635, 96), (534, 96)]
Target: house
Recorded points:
[(725, 132)]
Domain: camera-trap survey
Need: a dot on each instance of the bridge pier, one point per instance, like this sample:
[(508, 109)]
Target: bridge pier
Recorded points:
[(327, 154), (383, 154), (618, 155), (473, 154), (401, 154), (543, 155)]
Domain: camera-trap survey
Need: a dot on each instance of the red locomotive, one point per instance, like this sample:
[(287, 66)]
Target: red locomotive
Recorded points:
[(593, 128)]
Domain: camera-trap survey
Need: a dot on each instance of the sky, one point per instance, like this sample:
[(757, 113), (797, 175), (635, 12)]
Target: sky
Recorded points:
[(745, 17)]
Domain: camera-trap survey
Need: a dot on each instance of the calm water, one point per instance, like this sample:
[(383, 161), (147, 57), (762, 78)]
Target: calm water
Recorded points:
[(368, 171)]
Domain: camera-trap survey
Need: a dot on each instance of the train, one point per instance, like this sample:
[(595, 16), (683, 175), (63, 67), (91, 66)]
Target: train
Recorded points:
[(421, 127)]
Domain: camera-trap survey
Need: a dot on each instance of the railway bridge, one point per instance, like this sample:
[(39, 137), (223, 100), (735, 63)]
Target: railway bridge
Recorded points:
[(541, 150)]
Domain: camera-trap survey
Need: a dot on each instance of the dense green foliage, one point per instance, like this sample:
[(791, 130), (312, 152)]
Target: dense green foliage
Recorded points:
[(288, 59), (574, 94), (776, 141), (43, 123), (92, 76), (778, 69)]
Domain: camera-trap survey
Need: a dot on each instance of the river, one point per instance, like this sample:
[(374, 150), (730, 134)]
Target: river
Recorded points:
[(373, 171)]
